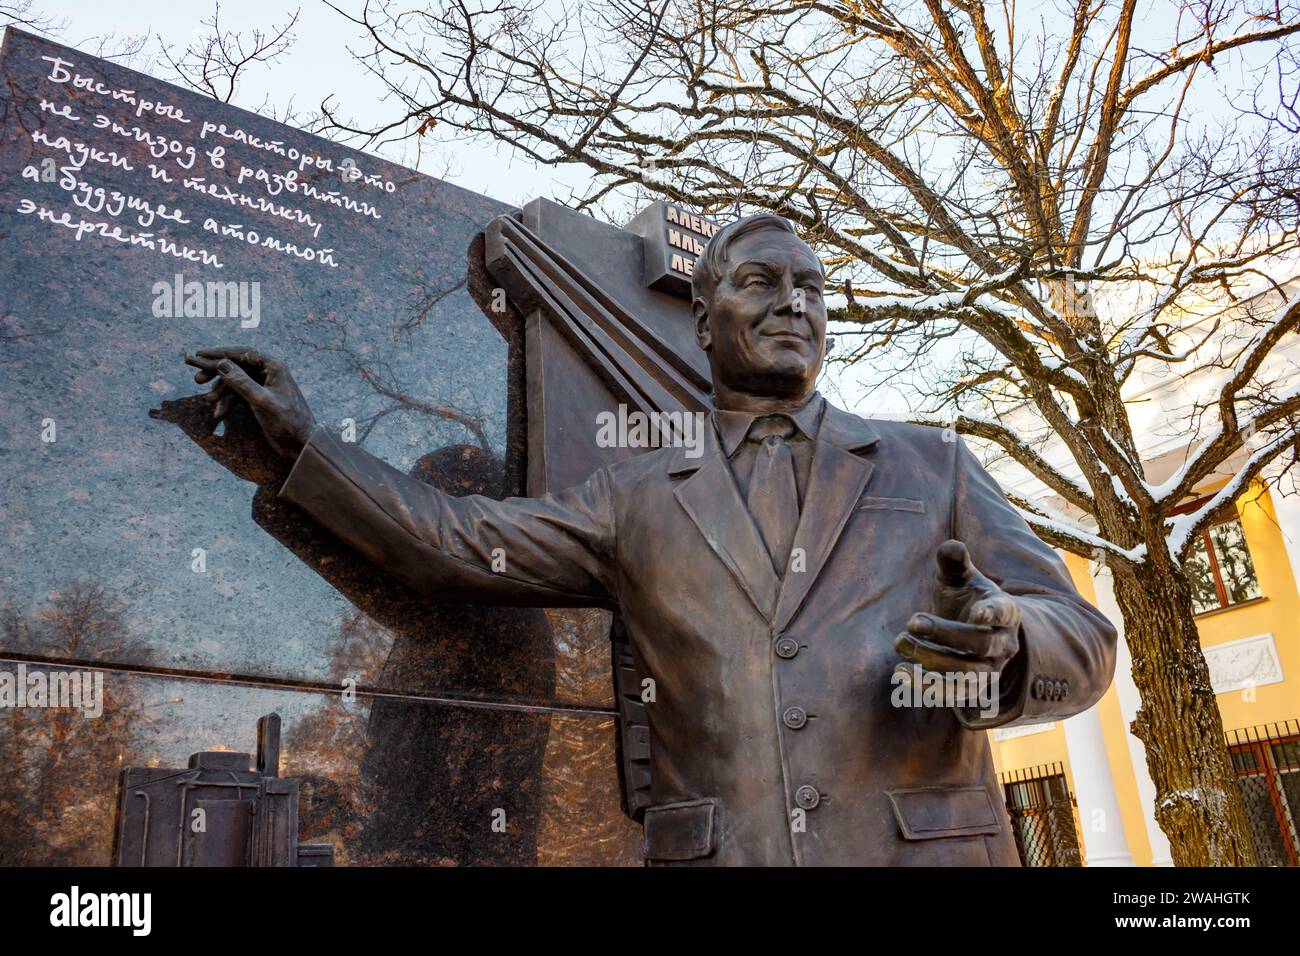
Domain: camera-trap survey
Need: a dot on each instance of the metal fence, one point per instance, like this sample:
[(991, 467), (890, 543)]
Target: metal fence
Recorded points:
[(1043, 815), (1267, 761)]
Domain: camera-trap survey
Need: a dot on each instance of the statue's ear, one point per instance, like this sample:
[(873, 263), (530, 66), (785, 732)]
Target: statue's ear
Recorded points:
[(703, 332)]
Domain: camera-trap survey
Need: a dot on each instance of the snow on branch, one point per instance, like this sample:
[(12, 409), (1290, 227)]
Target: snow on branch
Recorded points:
[(1080, 541), (1227, 431), (1183, 528)]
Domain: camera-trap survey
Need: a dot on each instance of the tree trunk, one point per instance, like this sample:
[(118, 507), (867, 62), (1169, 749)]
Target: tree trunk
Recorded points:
[(1198, 805)]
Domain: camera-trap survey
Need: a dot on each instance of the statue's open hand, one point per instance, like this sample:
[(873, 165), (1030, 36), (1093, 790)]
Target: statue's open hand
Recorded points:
[(975, 627), (265, 385)]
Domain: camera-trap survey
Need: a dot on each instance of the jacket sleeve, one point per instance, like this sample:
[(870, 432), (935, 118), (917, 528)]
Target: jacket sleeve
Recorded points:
[(552, 551), (1067, 647)]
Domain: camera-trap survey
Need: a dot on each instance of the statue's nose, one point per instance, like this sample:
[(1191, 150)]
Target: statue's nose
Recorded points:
[(785, 299)]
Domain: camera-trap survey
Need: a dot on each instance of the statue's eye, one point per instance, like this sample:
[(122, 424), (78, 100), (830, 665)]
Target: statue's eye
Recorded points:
[(757, 282)]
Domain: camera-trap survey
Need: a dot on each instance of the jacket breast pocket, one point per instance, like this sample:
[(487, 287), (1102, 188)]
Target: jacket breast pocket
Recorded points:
[(882, 503), (932, 813)]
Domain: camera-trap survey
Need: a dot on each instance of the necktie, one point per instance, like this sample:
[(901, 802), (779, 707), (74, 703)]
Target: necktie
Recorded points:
[(773, 498)]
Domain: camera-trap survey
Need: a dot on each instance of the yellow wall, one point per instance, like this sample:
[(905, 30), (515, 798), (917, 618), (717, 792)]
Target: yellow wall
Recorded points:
[(1277, 614)]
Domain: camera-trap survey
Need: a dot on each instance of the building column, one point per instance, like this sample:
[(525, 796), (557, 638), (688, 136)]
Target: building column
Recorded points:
[(1129, 702), (1094, 788), (1287, 509)]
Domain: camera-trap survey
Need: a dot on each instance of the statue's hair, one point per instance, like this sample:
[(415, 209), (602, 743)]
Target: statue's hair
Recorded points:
[(708, 268)]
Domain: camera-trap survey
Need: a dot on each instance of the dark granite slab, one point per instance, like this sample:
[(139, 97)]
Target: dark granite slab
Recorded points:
[(392, 328)]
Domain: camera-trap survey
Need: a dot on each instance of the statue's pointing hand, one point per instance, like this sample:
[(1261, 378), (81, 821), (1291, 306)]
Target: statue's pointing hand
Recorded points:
[(975, 626), (265, 384)]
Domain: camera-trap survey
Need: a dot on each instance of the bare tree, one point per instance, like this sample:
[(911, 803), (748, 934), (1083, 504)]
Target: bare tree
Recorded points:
[(58, 797), (217, 59), (127, 49), (26, 15), (1022, 209)]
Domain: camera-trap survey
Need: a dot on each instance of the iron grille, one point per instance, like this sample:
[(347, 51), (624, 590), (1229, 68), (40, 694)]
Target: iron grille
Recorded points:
[(1267, 761), (1042, 812)]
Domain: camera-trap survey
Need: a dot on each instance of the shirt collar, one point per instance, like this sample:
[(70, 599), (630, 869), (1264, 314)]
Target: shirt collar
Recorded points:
[(734, 426)]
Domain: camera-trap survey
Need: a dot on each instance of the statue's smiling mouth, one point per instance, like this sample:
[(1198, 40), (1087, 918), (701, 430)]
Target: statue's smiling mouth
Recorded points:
[(785, 335)]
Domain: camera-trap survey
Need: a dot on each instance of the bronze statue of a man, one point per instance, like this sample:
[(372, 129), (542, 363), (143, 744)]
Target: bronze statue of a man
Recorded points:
[(775, 585)]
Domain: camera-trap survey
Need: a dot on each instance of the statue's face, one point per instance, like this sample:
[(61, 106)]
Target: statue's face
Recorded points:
[(765, 327)]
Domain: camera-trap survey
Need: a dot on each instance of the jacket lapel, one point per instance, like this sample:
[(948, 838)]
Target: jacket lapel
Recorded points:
[(712, 500), (710, 497), (837, 481)]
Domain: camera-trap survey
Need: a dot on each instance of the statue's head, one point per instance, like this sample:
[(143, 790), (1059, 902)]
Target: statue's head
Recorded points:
[(758, 308)]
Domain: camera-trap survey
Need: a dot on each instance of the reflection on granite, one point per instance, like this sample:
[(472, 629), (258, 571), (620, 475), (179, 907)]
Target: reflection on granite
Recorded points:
[(179, 528), (582, 825), (583, 665), (385, 781)]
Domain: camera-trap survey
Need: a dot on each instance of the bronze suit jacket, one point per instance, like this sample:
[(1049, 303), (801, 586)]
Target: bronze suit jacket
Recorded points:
[(774, 740)]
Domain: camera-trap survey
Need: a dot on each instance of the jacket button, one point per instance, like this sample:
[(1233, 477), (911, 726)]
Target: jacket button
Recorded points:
[(795, 717), (807, 798), (787, 647)]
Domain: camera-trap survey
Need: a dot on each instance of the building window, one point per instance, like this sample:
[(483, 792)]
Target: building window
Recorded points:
[(1219, 565), (1267, 762), (1041, 809)]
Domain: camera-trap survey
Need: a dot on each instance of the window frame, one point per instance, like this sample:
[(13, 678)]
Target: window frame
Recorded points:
[(1220, 589)]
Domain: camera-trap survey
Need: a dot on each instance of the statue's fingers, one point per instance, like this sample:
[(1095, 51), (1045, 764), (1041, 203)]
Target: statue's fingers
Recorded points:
[(222, 407), (965, 638), (207, 368), (940, 659), (916, 677), (955, 565), (240, 383), (217, 353), (220, 398), (1004, 633), (996, 610), (273, 367), (957, 571), (242, 354)]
